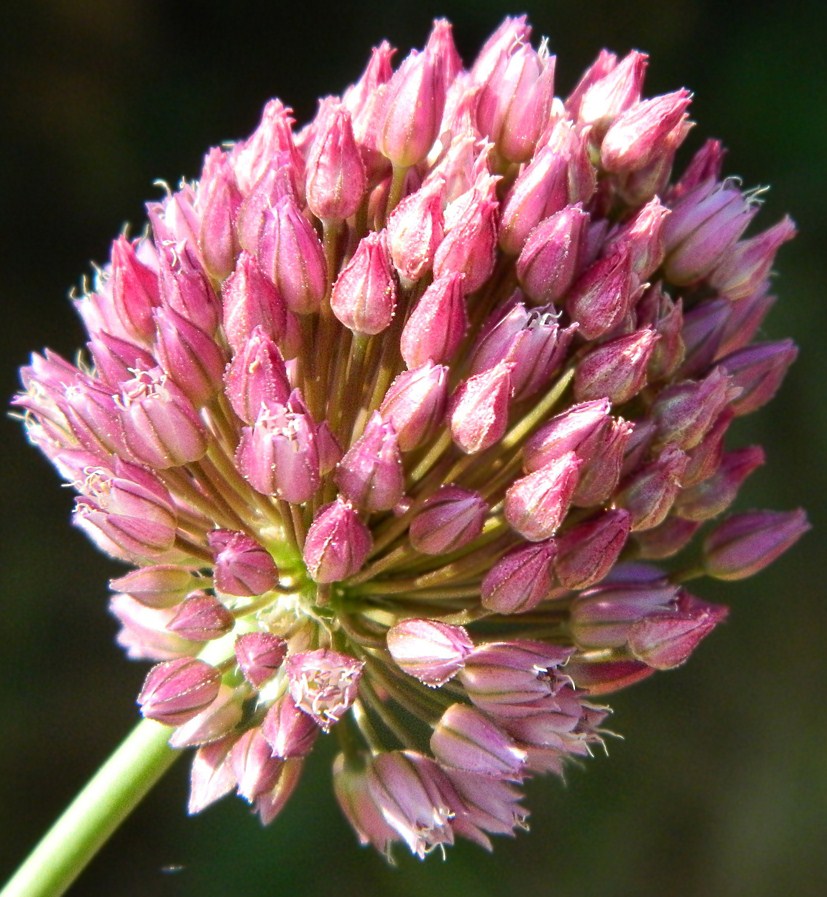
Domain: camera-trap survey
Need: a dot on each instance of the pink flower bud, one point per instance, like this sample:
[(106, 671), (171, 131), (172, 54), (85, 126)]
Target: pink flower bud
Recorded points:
[(478, 411), (450, 518), (748, 264), (116, 358), (274, 135), (642, 237), (606, 676), (705, 166), (665, 539), (702, 333), (259, 656), (490, 805), (743, 321), (189, 356), (161, 427), (201, 618), (219, 200), (337, 543), (579, 430), (648, 494), (616, 369), (250, 300), (135, 292), (716, 493), (415, 230), (536, 504), (758, 370), (291, 254), (600, 298), (254, 766), (94, 418), (350, 785), (364, 295), (211, 775), (520, 580), (323, 684), (657, 309), (242, 566), (466, 739), (186, 286), (599, 476), (431, 651), (588, 551), (215, 721), (746, 543), (637, 136), (415, 404), (176, 690), (256, 376), (371, 475), (144, 634), (336, 179), (162, 585), (608, 89), (289, 731), (550, 258), (685, 411), (437, 324)]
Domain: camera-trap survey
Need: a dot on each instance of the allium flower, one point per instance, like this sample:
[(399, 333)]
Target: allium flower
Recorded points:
[(393, 416)]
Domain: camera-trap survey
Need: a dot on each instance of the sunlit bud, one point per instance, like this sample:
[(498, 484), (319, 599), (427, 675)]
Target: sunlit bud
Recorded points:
[(94, 418), (642, 236), (415, 403), (464, 738), (116, 358), (174, 691), (746, 543), (589, 550), (599, 477), (323, 684), (336, 179), (616, 369), (521, 579), (608, 89), (550, 258), (250, 300), (512, 30), (437, 324), (648, 493), (579, 430), (536, 504), (135, 291), (144, 634), (758, 370), (600, 298), (350, 785), (218, 201), (364, 295), (201, 618), (478, 410), (255, 768), (242, 565), (431, 651), (450, 518), (274, 135), (186, 287), (415, 230), (370, 475), (259, 656), (161, 585), (706, 456), (189, 355), (337, 543), (256, 376), (606, 676), (211, 775), (289, 731), (704, 167)]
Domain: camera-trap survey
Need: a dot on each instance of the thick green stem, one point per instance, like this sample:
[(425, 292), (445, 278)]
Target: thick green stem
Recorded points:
[(86, 825)]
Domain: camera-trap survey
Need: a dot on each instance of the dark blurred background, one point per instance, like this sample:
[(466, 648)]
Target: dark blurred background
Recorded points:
[(720, 784)]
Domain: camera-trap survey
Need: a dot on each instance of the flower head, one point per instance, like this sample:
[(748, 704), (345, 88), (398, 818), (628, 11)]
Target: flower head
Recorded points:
[(393, 416)]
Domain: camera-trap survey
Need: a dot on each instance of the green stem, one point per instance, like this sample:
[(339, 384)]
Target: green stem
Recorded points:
[(88, 822)]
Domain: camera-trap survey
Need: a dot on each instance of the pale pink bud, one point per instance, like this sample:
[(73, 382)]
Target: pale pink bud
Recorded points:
[(289, 731), (616, 369), (608, 88), (269, 804), (642, 236), (490, 805), (116, 358), (758, 370), (350, 785), (606, 676), (256, 376), (291, 254), (135, 291), (278, 455), (174, 691), (415, 230), (201, 618), (550, 257), (364, 295), (330, 452), (599, 476), (211, 775), (600, 298), (161, 427), (186, 287), (216, 721), (746, 543), (272, 136), (478, 412), (520, 580), (649, 492), (249, 301), (640, 134), (219, 200), (536, 504), (588, 551), (703, 226), (259, 656), (665, 641), (174, 219), (242, 566), (189, 355), (337, 543), (336, 179), (323, 683), (470, 242), (144, 634), (684, 412), (275, 183), (370, 475), (450, 518), (464, 738), (162, 585), (94, 418), (512, 679), (255, 768), (437, 324), (746, 266), (415, 404), (428, 650), (512, 30), (579, 430), (515, 100)]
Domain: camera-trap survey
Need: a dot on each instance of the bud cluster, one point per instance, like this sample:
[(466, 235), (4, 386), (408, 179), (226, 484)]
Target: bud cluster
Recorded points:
[(401, 419)]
